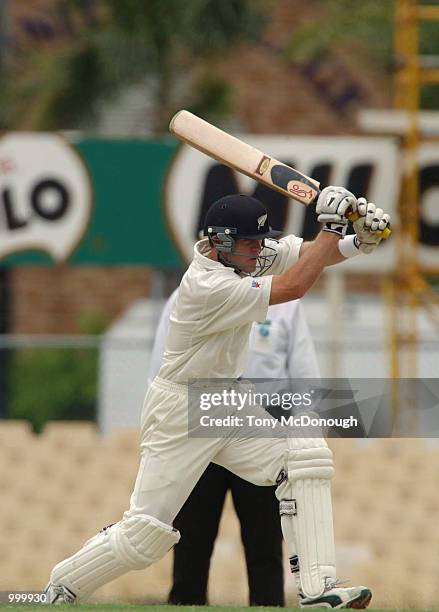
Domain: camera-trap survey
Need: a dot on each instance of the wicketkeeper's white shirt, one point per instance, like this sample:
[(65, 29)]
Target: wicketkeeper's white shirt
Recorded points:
[(211, 320)]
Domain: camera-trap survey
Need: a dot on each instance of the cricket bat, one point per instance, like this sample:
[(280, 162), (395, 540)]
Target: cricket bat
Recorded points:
[(244, 158)]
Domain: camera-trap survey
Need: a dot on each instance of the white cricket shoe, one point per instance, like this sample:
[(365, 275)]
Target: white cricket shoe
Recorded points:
[(337, 597), (57, 594)]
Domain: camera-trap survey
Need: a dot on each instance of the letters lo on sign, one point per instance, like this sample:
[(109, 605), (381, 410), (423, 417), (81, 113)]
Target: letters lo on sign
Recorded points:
[(45, 195)]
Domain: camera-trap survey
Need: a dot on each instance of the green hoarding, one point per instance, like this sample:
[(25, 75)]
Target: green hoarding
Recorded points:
[(127, 225)]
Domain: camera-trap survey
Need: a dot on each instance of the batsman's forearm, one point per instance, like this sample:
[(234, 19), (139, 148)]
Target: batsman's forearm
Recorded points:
[(297, 280), (334, 257)]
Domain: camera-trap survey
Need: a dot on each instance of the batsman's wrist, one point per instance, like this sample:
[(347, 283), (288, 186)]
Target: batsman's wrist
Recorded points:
[(335, 228), (349, 246)]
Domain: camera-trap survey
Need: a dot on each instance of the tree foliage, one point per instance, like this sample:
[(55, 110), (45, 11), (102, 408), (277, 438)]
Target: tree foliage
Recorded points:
[(57, 383), (365, 29), (367, 24), (171, 45), (52, 384)]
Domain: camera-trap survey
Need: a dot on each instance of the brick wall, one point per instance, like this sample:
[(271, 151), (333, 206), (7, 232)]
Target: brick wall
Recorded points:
[(56, 300)]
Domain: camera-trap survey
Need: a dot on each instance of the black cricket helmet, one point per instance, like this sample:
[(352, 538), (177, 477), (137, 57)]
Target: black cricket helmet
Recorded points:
[(237, 217), (242, 215)]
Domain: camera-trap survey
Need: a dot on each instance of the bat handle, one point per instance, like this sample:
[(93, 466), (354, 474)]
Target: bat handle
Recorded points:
[(353, 216)]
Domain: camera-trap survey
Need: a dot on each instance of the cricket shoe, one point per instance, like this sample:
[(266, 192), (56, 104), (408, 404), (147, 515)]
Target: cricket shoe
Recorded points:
[(336, 597), (57, 594)]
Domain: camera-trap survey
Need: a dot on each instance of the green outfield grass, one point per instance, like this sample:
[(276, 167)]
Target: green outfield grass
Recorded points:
[(134, 608)]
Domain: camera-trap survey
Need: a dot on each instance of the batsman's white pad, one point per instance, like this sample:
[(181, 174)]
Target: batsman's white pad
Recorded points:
[(306, 509), (132, 544)]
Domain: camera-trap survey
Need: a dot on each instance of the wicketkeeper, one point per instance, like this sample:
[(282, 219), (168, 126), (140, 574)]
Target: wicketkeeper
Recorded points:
[(217, 302)]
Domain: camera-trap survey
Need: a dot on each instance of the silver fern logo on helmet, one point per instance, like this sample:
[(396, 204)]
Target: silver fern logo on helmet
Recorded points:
[(261, 221)]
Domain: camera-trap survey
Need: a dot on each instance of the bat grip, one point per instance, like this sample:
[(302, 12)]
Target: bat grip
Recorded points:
[(353, 216)]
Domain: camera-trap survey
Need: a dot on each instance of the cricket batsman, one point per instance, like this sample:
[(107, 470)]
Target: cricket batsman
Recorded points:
[(217, 302)]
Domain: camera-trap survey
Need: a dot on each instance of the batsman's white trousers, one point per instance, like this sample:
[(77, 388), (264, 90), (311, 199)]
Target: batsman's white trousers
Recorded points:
[(171, 462)]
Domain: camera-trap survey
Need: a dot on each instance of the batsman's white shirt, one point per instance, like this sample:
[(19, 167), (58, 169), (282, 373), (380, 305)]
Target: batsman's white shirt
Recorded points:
[(211, 321), (280, 347)]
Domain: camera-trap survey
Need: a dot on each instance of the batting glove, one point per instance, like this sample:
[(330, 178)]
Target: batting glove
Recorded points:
[(332, 205), (369, 225)]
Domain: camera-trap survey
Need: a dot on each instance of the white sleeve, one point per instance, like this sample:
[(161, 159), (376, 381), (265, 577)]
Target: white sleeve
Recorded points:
[(155, 360), (287, 253), (302, 358), (233, 302)]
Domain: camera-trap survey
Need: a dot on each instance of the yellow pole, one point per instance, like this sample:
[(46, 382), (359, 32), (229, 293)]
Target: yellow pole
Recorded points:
[(407, 97)]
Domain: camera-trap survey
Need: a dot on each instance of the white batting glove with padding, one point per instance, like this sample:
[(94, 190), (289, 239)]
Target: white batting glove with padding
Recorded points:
[(332, 205), (370, 225)]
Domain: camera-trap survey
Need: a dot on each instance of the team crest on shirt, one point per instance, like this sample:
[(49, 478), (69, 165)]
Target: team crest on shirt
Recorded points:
[(256, 284), (264, 328), (261, 221)]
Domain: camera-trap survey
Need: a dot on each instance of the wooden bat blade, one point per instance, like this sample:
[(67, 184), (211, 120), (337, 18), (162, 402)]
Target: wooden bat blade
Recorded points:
[(244, 158), (241, 156)]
